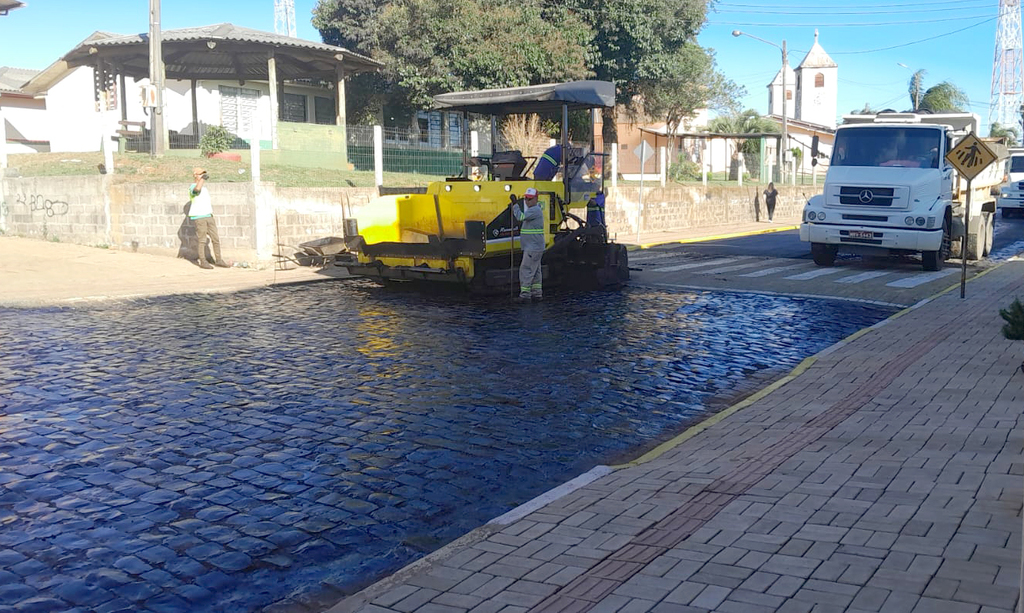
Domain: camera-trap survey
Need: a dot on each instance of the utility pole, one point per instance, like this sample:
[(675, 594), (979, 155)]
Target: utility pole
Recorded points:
[(158, 134)]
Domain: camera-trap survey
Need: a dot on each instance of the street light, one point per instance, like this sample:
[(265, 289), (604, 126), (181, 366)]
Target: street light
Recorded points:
[(784, 141)]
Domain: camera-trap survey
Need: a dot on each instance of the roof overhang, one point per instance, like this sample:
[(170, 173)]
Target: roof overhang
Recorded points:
[(530, 99), (222, 51), (7, 6)]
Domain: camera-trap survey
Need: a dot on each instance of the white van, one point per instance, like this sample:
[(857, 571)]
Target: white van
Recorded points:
[(1011, 196)]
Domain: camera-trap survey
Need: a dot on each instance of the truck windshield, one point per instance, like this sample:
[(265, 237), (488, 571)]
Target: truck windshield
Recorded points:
[(887, 146)]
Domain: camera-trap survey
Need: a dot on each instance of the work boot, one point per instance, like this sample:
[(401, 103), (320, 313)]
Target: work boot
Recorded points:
[(205, 264), (222, 264), (523, 299), (537, 297)]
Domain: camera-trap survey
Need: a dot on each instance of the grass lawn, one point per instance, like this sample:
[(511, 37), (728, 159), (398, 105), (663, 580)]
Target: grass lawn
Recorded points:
[(141, 168)]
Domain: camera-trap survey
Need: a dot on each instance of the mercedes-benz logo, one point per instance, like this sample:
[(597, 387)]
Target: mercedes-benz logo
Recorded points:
[(866, 196)]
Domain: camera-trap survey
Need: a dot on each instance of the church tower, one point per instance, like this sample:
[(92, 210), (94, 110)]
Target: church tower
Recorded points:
[(775, 96), (817, 87)]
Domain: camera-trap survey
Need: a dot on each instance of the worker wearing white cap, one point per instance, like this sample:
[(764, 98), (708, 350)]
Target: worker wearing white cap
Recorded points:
[(531, 239)]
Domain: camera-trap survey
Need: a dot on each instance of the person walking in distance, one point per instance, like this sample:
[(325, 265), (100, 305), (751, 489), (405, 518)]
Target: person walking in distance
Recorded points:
[(531, 239), (769, 199), (201, 213)]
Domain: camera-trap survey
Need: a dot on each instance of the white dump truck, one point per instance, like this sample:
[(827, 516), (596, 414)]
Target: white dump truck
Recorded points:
[(1011, 197), (890, 191)]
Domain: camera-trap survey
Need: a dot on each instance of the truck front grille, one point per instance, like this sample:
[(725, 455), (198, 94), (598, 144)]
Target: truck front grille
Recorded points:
[(866, 196), (878, 218)]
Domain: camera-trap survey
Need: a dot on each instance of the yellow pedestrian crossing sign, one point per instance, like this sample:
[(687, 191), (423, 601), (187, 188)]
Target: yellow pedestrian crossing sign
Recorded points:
[(970, 156)]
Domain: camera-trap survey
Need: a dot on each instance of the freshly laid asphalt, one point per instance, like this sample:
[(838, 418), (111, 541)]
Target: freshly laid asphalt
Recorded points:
[(883, 474)]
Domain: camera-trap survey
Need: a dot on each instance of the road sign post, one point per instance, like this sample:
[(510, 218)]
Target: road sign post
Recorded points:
[(644, 152), (969, 157)]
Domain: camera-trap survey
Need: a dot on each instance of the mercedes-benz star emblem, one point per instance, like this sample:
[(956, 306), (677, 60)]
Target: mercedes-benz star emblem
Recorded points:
[(866, 196)]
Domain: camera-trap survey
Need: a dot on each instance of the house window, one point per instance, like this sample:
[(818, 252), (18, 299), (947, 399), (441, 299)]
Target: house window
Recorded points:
[(323, 110), (454, 130), (237, 108), (293, 108), (789, 94), (819, 80), (423, 125)]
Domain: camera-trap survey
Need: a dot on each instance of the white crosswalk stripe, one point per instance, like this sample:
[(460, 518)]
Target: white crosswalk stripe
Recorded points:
[(772, 271), (921, 279), (864, 276), (803, 270), (647, 257), (729, 268), (814, 274), (713, 262)]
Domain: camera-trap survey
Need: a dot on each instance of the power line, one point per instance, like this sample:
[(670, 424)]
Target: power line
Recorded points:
[(857, 4), (844, 25), (915, 42), (827, 12)]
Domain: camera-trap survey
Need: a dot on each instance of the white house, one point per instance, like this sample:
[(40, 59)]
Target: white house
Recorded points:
[(214, 75)]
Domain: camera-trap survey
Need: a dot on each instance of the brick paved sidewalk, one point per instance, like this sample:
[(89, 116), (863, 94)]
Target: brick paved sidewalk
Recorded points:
[(884, 476)]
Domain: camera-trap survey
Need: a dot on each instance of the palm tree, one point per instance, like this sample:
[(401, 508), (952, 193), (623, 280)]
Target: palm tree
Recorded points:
[(915, 89), (747, 122), (942, 98), (1009, 132)]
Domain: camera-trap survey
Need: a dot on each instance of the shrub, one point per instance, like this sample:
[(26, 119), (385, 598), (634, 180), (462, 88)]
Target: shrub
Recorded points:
[(1014, 316), (215, 140), (684, 170)]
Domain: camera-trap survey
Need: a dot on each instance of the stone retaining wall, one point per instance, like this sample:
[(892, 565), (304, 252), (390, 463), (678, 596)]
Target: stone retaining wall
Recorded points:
[(150, 217)]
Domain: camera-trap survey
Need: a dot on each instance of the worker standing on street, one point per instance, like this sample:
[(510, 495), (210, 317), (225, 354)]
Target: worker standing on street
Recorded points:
[(595, 209), (201, 214), (531, 239)]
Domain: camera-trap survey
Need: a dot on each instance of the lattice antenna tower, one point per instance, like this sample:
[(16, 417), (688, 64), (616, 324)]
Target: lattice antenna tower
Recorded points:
[(284, 18), (1007, 68)]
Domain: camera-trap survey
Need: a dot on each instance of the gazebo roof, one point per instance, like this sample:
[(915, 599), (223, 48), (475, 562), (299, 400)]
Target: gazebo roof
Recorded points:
[(10, 5), (220, 51)]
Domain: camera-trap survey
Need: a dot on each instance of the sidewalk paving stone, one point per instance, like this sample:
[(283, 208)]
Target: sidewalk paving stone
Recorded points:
[(885, 477)]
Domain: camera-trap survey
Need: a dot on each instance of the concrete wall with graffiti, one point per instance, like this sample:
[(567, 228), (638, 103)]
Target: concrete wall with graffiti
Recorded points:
[(255, 225)]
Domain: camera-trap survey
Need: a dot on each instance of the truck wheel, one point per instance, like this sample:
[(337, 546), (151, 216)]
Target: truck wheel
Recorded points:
[(933, 260), (976, 242), (823, 254)]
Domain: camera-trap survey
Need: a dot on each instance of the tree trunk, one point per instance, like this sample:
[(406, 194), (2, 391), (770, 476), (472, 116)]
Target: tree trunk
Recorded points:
[(610, 135)]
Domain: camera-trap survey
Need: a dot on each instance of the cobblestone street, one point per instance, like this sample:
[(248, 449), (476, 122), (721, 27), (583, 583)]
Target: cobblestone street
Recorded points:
[(283, 446)]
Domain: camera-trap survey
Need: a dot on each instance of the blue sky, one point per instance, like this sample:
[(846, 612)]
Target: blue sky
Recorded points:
[(953, 40)]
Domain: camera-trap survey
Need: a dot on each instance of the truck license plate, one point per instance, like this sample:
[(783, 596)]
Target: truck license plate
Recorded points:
[(861, 234)]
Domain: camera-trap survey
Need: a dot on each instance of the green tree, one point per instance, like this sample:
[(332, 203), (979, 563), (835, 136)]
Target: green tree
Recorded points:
[(435, 46), (636, 44), (944, 98), (347, 23), (692, 83), (1011, 133)]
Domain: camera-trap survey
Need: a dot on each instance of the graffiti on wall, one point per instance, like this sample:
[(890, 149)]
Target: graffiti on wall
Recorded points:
[(37, 202)]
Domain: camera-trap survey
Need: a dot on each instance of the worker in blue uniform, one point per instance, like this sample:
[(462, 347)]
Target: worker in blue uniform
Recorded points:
[(595, 209), (548, 164)]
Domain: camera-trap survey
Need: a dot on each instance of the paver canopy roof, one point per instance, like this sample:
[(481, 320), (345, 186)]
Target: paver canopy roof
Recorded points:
[(222, 51), (530, 99)]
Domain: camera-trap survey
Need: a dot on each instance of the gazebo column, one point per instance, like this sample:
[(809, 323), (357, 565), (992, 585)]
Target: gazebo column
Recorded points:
[(274, 113), (195, 112), (339, 106)]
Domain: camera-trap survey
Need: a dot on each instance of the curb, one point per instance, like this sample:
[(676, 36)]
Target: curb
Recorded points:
[(793, 374), (714, 237)]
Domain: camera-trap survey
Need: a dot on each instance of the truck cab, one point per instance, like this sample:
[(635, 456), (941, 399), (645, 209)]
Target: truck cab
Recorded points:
[(889, 190), (1011, 195)]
